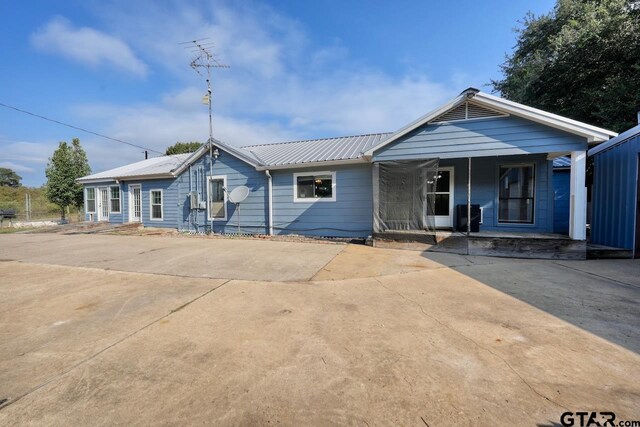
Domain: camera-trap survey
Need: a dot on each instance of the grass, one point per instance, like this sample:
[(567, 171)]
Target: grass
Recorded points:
[(9, 230)]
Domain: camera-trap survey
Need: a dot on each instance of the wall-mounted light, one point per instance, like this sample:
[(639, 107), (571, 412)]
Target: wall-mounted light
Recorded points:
[(216, 154)]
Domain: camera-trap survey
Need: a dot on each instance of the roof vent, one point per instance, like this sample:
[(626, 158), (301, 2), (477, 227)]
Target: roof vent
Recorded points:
[(466, 111)]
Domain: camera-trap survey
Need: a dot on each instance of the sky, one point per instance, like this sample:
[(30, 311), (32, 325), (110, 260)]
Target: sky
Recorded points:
[(298, 70)]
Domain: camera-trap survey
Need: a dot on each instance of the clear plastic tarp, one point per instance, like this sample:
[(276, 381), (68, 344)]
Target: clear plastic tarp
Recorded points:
[(404, 195)]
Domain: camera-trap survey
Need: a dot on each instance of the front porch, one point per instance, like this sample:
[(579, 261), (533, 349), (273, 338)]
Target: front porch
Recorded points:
[(508, 244)]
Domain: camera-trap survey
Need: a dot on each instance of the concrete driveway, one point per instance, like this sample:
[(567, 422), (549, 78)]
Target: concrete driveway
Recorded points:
[(376, 337)]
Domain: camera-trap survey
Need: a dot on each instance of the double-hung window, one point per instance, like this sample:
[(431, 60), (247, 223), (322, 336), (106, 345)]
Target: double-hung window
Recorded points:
[(217, 198), (90, 196), (156, 204), (314, 186), (114, 200), (516, 194)]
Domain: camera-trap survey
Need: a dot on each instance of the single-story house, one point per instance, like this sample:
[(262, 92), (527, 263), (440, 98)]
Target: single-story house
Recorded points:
[(616, 192), (477, 149)]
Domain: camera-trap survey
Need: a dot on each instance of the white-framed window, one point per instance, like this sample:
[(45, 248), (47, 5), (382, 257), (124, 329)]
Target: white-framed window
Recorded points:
[(90, 200), (516, 194), (217, 198), (114, 199), (155, 201), (314, 186)]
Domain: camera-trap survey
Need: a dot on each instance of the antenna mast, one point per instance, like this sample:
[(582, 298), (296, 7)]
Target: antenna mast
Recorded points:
[(203, 58)]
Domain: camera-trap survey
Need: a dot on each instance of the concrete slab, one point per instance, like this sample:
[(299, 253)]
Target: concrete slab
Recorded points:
[(174, 255), (52, 318), (433, 346)]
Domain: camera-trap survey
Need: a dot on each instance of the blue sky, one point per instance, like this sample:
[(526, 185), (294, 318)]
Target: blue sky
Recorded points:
[(299, 69)]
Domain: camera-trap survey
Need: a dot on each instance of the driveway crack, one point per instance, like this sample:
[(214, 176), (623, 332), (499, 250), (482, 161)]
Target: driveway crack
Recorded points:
[(511, 368), (110, 346)]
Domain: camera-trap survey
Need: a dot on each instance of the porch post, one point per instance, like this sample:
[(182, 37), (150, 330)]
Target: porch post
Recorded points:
[(578, 202), (468, 201)]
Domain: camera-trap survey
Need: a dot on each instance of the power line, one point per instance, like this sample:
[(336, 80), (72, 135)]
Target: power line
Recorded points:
[(78, 128)]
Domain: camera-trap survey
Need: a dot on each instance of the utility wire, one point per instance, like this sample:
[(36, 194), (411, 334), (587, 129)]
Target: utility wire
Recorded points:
[(79, 128)]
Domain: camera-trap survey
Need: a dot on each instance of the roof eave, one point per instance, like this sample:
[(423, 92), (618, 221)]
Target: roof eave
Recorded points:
[(322, 163)]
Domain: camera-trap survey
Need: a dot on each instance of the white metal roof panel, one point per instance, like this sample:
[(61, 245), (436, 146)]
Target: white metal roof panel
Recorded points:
[(154, 166), (315, 150)]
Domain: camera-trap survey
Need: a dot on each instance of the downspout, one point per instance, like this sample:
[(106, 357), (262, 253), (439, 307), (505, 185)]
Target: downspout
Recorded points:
[(270, 201), (210, 164)]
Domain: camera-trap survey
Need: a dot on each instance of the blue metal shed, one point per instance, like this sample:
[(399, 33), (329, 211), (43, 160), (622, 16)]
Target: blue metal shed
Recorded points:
[(615, 201)]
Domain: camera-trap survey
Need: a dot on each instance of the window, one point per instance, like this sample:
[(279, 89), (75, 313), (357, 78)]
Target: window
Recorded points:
[(114, 200), (315, 186), (217, 198), (90, 204), (156, 204), (516, 194)]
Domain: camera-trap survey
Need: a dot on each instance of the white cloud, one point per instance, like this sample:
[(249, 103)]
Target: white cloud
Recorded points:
[(87, 46), (16, 167), (280, 87)]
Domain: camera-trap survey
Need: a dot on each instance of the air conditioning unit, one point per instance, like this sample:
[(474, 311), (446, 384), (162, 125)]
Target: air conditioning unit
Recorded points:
[(193, 200)]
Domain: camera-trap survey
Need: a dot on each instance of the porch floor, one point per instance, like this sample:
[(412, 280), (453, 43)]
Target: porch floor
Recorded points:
[(487, 243)]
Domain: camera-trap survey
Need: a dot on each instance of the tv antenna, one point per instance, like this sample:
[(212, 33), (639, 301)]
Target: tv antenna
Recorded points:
[(203, 58)]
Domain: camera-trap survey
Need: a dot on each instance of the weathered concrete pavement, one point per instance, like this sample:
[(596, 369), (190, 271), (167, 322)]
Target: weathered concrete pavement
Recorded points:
[(376, 338)]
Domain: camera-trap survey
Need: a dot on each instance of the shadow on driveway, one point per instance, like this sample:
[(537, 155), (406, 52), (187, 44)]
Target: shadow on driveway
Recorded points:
[(599, 296)]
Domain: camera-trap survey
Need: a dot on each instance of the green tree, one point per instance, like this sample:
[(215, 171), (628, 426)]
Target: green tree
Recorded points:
[(8, 178), (68, 163), (183, 147), (581, 60)]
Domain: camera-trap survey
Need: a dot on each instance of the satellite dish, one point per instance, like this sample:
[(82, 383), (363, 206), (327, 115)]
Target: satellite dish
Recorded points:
[(239, 194)]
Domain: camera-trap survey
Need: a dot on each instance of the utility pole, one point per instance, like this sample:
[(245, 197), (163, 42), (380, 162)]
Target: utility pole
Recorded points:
[(204, 59)]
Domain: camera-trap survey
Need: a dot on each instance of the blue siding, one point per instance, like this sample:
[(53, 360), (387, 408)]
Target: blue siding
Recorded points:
[(614, 195), (114, 217), (349, 216), (253, 211), (562, 199), (500, 136), (484, 190)]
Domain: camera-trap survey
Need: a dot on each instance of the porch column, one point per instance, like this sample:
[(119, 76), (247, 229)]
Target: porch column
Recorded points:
[(578, 202)]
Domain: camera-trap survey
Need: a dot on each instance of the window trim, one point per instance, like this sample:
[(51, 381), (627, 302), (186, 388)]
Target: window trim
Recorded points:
[(86, 199), (224, 184), (535, 188), (119, 199), (313, 173), (151, 218)]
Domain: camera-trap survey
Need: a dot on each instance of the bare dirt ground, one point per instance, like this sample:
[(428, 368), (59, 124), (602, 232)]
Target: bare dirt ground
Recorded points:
[(135, 330)]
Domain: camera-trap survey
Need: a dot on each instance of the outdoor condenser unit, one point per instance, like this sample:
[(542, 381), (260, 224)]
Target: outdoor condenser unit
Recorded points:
[(193, 200)]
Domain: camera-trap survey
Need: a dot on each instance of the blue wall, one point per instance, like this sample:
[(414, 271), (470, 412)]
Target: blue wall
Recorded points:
[(349, 216), (614, 194), (484, 190), (499, 136), (561, 200), (113, 217), (253, 211)]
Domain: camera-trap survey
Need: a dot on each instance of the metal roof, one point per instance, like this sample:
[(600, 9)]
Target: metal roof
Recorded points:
[(561, 162), (624, 136), (314, 150), (162, 165)]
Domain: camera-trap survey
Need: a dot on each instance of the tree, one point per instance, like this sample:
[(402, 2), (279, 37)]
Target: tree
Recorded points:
[(9, 178), (183, 147), (582, 60), (68, 163)]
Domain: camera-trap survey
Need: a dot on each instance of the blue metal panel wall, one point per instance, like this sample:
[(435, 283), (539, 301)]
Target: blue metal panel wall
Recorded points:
[(253, 211), (561, 200), (169, 189), (349, 216), (113, 216), (484, 137), (614, 195), (484, 190)]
